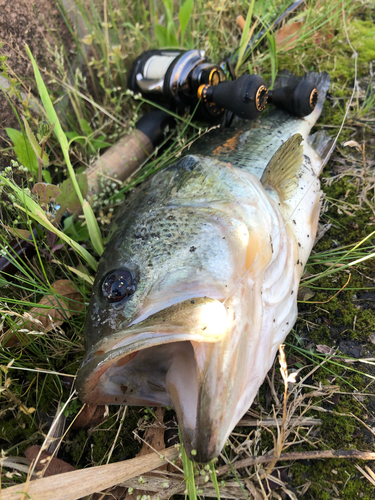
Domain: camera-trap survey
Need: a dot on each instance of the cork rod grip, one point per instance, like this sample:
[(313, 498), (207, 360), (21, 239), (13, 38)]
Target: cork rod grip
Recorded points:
[(119, 161)]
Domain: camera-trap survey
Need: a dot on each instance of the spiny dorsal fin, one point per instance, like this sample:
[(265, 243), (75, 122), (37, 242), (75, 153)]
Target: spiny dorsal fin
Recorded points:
[(282, 169)]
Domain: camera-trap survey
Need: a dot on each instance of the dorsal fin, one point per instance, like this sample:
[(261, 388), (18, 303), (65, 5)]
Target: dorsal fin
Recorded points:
[(282, 169)]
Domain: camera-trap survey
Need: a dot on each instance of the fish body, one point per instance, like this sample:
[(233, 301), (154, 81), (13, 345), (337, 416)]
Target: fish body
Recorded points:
[(197, 287)]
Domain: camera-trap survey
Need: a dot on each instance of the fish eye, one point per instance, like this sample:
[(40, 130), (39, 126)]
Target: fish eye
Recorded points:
[(118, 285)]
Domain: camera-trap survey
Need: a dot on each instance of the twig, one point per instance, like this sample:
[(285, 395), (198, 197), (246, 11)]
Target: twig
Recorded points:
[(369, 475), (299, 455), (80, 483), (51, 429), (156, 451), (117, 434), (333, 296), (271, 422)]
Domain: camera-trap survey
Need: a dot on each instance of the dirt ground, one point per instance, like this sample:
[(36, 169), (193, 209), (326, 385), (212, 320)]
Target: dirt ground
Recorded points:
[(28, 22)]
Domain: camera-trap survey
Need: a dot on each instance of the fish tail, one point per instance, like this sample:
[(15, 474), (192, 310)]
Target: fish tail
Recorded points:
[(321, 142)]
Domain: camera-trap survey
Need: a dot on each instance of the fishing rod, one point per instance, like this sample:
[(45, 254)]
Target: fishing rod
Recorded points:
[(180, 79)]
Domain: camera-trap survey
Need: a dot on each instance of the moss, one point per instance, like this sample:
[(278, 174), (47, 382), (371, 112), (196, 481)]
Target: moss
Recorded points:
[(362, 35), (16, 430), (92, 446), (337, 430), (342, 474), (336, 57), (333, 322), (338, 433), (333, 54)]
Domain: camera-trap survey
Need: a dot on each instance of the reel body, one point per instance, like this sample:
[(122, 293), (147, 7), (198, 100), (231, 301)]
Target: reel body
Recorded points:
[(173, 77), (182, 79)]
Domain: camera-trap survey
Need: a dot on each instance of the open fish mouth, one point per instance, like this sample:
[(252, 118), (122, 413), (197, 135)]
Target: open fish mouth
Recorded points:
[(153, 362)]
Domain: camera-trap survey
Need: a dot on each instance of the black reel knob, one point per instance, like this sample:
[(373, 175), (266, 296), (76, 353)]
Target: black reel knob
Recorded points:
[(245, 97), (299, 100)]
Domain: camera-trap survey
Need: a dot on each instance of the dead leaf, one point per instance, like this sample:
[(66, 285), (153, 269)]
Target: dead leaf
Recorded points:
[(27, 411), (154, 435), (67, 302), (287, 37), (46, 191), (240, 20), (68, 198), (323, 37), (293, 360), (90, 416), (46, 460), (324, 349), (18, 233), (305, 293), (353, 144)]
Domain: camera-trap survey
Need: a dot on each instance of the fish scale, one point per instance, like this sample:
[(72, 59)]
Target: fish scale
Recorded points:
[(213, 247), (247, 145)]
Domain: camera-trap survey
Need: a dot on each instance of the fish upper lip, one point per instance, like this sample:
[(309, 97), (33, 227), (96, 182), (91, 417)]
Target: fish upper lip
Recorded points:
[(182, 296), (201, 319)]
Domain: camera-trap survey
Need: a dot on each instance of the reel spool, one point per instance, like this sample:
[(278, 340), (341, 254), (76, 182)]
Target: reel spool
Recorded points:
[(174, 76), (181, 78)]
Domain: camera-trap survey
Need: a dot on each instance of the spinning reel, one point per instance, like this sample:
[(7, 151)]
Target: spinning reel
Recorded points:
[(182, 79)]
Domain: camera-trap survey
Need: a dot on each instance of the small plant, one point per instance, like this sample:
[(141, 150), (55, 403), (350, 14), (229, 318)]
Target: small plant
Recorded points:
[(72, 408)]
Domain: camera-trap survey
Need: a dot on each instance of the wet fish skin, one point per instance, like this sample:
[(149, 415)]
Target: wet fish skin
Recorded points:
[(216, 258)]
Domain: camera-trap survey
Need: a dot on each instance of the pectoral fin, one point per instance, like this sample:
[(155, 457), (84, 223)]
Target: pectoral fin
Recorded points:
[(281, 171)]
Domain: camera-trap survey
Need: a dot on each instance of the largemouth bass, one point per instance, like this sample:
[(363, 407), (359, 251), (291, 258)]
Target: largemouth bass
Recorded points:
[(198, 286)]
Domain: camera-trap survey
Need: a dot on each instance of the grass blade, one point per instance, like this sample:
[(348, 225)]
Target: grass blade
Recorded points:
[(214, 479), (246, 34), (61, 137), (188, 472), (92, 226), (34, 211), (273, 56), (184, 16)]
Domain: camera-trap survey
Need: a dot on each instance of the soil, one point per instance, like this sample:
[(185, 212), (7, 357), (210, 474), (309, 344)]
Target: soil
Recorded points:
[(39, 24)]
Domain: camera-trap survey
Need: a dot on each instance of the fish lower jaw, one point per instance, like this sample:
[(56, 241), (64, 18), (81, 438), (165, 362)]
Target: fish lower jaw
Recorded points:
[(163, 375)]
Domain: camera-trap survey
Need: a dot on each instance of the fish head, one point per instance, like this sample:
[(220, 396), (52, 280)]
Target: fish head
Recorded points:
[(177, 311)]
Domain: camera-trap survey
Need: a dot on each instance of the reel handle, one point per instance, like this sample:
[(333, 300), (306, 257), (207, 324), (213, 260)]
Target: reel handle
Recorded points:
[(245, 97), (299, 100)]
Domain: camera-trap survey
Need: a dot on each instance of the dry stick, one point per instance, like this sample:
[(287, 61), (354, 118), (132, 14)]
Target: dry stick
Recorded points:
[(156, 451), (80, 483), (54, 423), (166, 495), (333, 296), (348, 454), (271, 422), (117, 434), (369, 475), (298, 455), (281, 429)]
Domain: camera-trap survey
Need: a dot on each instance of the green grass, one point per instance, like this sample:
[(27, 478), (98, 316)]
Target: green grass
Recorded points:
[(101, 111)]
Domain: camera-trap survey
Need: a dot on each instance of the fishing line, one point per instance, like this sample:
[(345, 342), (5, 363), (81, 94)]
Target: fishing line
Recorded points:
[(324, 162)]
